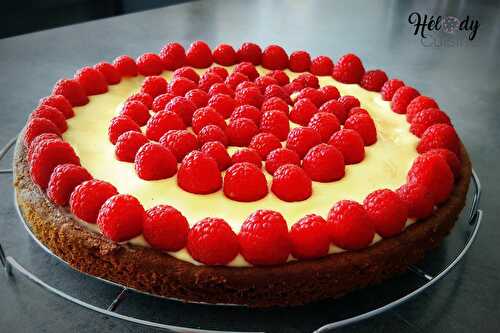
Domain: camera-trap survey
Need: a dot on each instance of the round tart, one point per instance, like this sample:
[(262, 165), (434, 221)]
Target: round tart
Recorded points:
[(243, 176)]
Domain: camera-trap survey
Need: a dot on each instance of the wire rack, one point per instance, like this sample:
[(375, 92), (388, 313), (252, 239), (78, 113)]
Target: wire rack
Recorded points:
[(470, 219)]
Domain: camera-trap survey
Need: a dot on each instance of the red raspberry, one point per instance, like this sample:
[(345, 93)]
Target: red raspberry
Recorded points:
[(165, 228), (418, 104), (218, 152), (308, 80), (249, 155), (351, 145), (264, 143), (301, 139), (324, 163), (450, 158), (37, 126), (198, 97), (247, 111), (88, 197), (349, 69), (128, 144), (110, 73), (419, 200), (300, 61), (322, 66), (137, 111), (335, 107), (125, 65), (240, 131), (144, 98), (302, 111), (161, 101), (294, 87), (121, 217), (275, 90), (207, 116), (389, 88), (349, 102), (264, 238), (153, 161), (313, 94), (199, 55), (250, 96), (59, 102), (439, 136), (291, 183), (248, 69), (173, 56), (349, 225), (208, 80), (387, 212), (280, 76), (223, 104), (36, 142), (119, 125), (154, 85), (179, 86), (309, 237), (245, 182), (234, 79), (364, 125), (357, 110), (279, 157), (211, 241), (274, 57), (426, 118), (275, 122), (149, 64), (179, 142), (325, 124), (183, 107), (374, 80), (188, 73), (92, 81), (250, 52), (246, 84), (162, 122), (264, 81), (72, 91), (219, 71), (52, 114), (275, 103), (199, 174), (212, 133), (329, 93), (63, 181), (220, 88), (402, 97)]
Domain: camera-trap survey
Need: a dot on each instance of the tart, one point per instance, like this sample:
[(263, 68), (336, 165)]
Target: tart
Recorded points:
[(246, 176)]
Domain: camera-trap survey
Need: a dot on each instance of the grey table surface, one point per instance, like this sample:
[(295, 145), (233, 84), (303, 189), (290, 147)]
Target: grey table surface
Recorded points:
[(462, 75)]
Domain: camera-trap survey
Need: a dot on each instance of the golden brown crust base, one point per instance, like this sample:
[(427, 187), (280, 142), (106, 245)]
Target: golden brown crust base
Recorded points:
[(294, 283)]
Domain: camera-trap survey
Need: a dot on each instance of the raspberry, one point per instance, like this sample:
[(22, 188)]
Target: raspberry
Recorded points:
[(301, 139), (308, 80), (426, 118), (335, 107), (240, 131), (154, 85), (199, 55), (121, 217), (264, 143), (309, 237), (357, 110), (389, 88), (88, 197), (302, 111), (418, 104), (387, 212), (249, 155), (198, 97), (220, 88), (223, 104), (199, 174), (188, 73), (165, 228), (211, 241), (248, 69), (219, 71), (212, 133), (59, 102), (119, 125), (250, 96), (364, 125), (247, 111), (234, 79), (275, 90), (325, 124), (321, 66), (144, 98), (91, 80), (275, 103), (280, 76), (63, 181), (36, 142), (249, 52), (153, 161), (125, 65), (300, 61), (161, 101), (374, 80), (173, 56), (149, 64), (351, 145), (246, 84), (52, 114), (274, 57), (128, 144), (244, 182), (264, 81), (137, 111), (279, 157), (110, 73), (218, 152), (324, 163), (294, 87), (291, 183), (349, 225), (208, 80), (419, 200), (179, 86), (313, 94), (207, 116), (275, 122), (349, 102), (349, 69), (264, 238), (402, 98), (439, 136), (179, 142), (72, 91), (182, 107), (162, 122), (329, 93), (37, 126), (450, 158)]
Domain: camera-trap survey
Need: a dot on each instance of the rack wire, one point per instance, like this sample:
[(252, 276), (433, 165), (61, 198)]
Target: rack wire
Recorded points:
[(10, 264)]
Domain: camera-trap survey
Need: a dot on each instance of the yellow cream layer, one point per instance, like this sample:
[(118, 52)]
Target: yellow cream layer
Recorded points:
[(385, 165)]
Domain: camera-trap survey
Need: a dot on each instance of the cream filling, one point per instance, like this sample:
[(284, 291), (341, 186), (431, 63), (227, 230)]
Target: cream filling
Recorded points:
[(385, 165)]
